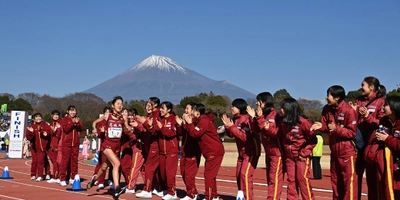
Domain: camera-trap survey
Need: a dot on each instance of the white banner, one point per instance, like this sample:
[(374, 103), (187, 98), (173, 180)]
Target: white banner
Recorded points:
[(17, 133)]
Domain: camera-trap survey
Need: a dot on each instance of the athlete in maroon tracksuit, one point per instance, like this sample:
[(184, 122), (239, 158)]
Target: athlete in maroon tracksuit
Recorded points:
[(151, 165), (298, 142), (248, 146), (267, 121), (53, 150), (210, 145), (169, 147), (383, 151), (132, 158), (339, 119), (39, 132), (72, 126), (368, 120), (191, 155)]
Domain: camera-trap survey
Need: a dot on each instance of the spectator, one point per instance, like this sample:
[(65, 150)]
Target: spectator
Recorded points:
[(7, 142), (316, 158)]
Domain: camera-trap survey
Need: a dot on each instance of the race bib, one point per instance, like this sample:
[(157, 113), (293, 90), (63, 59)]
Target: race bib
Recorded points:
[(114, 132)]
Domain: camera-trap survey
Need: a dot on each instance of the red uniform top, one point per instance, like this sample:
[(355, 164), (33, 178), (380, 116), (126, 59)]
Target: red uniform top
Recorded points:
[(271, 140), (345, 119), (190, 146), (71, 131), (375, 110), (37, 135), (299, 139), (167, 138), (114, 130), (151, 137), (206, 133), (101, 135), (55, 135), (247, 141)]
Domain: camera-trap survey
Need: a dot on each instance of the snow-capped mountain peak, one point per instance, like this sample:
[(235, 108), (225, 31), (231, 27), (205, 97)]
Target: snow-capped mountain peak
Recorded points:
[(158, 62)]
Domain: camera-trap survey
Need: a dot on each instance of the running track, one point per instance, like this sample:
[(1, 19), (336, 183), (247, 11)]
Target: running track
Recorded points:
[(21, 187)]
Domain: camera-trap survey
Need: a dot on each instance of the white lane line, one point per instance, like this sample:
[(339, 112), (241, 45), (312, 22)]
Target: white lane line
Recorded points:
[(8, 197)]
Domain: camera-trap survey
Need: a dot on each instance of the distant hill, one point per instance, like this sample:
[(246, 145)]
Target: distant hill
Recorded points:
[(164, 78)]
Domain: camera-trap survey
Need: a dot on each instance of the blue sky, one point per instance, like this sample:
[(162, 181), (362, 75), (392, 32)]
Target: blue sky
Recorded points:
[(62, 47)]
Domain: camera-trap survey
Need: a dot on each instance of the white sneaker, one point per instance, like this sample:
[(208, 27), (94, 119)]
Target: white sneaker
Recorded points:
[(52, 181), (58, 180), (39, 179), (63, 183), (144, 194), (188, 198), (71, 181), (159, 193), (170, 197), (128, 191), (33, 177), (100, 186), (48, 177), (109, 183)]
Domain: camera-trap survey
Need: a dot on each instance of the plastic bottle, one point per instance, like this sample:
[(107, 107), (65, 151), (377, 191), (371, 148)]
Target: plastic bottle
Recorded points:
[(382, 129)]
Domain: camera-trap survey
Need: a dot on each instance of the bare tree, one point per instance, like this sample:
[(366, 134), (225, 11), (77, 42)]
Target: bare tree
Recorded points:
[(31, 97)]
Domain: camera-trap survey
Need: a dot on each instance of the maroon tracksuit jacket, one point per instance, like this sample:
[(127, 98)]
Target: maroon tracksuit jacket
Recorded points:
[(368, 126), (190, 161), (53, 150), (212, 149), (39, 145), (169, 148), (299, 140), (272, 143), (70, 146), (343, 150), (385, 156), (249, 149)]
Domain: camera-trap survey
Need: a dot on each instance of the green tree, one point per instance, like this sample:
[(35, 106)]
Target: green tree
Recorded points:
[(22, 104), (139, 106), (216, 104), (394, 92), (186, 100), (352, 95), (281, 94)]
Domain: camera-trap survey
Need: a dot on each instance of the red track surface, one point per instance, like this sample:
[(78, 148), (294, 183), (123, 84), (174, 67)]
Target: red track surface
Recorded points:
[(21, 187)]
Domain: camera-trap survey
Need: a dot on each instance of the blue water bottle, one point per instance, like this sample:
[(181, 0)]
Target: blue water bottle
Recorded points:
[(382, 129)]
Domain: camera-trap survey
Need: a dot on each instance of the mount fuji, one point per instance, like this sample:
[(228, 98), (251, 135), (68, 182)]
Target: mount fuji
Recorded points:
[(164, 78)]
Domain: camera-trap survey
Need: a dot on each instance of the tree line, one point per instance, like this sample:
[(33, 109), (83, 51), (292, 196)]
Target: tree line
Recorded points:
[(89, 106)]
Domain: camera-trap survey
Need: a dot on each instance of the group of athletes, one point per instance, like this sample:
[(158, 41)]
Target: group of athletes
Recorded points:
[(149, 145)]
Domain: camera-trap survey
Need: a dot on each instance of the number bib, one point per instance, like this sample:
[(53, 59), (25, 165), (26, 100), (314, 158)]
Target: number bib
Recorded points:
[(114, 132)]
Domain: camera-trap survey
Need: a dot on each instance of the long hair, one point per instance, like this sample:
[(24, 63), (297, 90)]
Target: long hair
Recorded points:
[(268, 100), (379, 89), (292, 111)]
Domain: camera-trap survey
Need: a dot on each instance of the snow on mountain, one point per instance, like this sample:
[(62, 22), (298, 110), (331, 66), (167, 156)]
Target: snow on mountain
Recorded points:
[(159, 62), (162, 77)]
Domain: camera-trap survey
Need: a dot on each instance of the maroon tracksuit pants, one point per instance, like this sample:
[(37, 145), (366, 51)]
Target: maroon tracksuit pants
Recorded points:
[(168, 167), (274, 166), (189, 167), (370, 172), (131, 169), (298, 173), (151, 170), (244, 175), (211, 168), (53, 158), (34, 162), (69, 156), (344, 178)]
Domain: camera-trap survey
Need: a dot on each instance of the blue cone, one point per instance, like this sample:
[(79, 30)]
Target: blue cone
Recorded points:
[(96, 158), (6, 174), (76, 186)]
